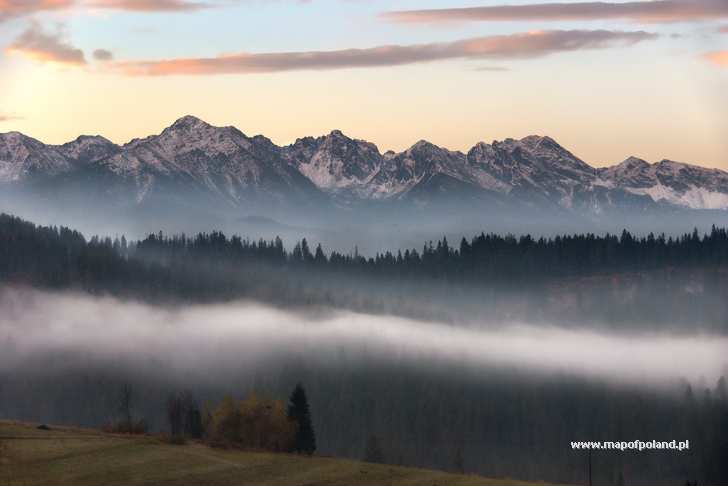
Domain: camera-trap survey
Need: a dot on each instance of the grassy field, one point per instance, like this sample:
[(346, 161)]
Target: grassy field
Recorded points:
[(80, 457)]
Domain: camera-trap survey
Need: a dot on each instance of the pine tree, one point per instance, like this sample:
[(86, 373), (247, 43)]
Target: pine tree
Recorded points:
[(299, 412), (373, 451), (459, 460)]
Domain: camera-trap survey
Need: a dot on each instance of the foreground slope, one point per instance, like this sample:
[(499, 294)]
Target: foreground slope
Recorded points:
[(72, 456)]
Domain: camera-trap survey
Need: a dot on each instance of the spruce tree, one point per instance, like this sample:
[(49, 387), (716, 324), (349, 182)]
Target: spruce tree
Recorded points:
[(299, 412), (373, 451)]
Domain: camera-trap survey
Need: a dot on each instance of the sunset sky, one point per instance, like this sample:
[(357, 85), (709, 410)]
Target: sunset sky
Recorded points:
[(606, 80)]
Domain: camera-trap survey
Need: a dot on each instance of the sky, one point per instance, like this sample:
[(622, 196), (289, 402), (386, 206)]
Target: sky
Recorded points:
[(607, 80)]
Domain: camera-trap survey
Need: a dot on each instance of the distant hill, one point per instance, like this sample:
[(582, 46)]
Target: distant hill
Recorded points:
[(85, 457)]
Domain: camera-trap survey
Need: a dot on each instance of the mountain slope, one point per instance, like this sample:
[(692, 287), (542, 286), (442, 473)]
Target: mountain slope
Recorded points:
[(336, 163), (23, 157), (533, 167), (192, 155), (676, 183)]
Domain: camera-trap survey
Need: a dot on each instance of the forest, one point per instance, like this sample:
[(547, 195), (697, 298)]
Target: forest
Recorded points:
[(677, 281), (499, 421), (486, 258)]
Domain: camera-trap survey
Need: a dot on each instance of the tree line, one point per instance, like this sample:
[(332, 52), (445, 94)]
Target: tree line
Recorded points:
[(486, 257), (58, 256), (618, 281)]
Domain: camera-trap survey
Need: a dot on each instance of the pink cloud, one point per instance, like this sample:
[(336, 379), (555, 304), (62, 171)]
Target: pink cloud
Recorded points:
[(515, 46), (37, 44), (656, 11), (16, 8), (148, 5), (7, 118)]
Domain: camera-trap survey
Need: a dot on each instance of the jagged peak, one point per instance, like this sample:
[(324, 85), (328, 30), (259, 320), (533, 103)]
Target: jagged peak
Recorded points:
[(336, 136), (90, 138), (677, 166), (13, 134), (633, 162), (259, 138), (535, 139), (674, 166), (673, 163), (536, 142), (424, 145), (333, 139), (188, 122), (18, 137)]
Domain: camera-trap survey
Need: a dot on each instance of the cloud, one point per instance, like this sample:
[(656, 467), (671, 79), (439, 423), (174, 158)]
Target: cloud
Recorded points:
[(37, 44), (491, 69), (246, 336), (718, 58), (148, 5), (514, 46), (103, 55), (10, 9), (657, 11), (7, 118)]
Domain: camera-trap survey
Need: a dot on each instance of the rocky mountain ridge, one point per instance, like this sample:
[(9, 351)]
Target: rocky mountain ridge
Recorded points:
[(228, 167)]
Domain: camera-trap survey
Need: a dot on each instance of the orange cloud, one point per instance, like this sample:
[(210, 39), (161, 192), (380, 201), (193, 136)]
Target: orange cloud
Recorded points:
[(148, 5), (719, 58), (37, 44), (515, 46), (655, 11), (16, 8), (7, 118)]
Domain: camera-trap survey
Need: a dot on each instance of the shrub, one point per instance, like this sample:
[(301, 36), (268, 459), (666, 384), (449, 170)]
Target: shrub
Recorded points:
[(253, 423)]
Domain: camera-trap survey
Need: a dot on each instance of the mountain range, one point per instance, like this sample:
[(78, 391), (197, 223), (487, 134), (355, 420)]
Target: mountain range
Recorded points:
[(192, 163)]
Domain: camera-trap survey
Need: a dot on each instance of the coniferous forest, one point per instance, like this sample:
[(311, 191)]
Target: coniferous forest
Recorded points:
[(499, 421), (676, 279)]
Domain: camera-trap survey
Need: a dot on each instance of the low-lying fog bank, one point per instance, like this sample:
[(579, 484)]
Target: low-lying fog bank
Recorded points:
[(215, 338), (501, 399)]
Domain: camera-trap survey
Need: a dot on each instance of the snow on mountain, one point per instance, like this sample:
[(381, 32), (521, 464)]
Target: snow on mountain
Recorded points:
[(88, 149), (192, 157), (671, 182), (22, 157), (534, 166), (402, 172), (336, 163)]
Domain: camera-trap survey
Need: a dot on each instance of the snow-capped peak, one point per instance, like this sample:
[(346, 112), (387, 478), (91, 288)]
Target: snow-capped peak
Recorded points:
[(189, 122), (671, 182)]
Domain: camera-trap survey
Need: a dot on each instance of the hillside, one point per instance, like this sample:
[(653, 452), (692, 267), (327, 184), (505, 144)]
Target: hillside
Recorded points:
[(73, 456)]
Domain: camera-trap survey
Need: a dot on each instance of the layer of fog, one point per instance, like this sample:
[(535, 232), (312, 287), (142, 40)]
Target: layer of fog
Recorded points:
[(370, 231), (203, 339)]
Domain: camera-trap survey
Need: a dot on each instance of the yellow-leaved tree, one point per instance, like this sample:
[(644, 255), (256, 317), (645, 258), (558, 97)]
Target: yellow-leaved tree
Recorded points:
[(253, 423)]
